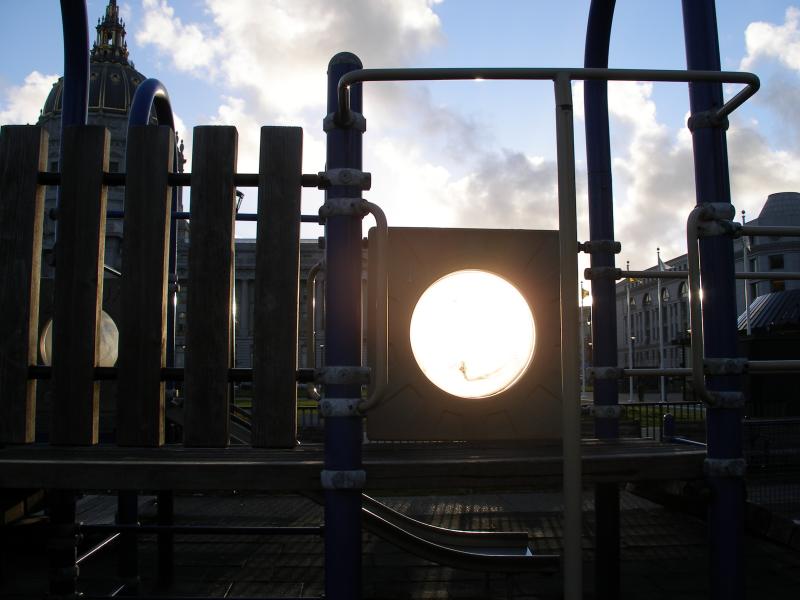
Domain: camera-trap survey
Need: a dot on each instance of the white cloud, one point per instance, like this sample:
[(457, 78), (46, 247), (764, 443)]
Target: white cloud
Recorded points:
[(188, 45), (278, 50), (22, 103), (767, 40)]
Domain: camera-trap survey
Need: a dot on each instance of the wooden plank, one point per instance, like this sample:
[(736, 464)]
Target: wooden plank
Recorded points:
[(275, 312), (23, 153), (143, 314), (388, 466), (208, 303), (78, 287)]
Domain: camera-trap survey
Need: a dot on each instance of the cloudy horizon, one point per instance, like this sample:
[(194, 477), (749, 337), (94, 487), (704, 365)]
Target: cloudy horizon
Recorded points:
[(449, 154)]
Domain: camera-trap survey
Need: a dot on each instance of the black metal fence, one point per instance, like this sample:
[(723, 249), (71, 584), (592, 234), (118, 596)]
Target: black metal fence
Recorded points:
[(772, 451), (646, 419)]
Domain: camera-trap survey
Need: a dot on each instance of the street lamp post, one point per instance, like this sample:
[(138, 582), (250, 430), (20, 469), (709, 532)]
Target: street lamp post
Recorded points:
[(633, 365)]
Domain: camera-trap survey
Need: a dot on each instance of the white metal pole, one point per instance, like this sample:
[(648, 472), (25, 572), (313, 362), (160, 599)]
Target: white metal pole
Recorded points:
[(630, 331), (583, 347), (661, 329), (746, 269), (571, 401)]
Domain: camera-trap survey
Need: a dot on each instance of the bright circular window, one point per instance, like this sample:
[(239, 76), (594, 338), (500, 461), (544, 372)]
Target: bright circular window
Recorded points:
[(472, 334)]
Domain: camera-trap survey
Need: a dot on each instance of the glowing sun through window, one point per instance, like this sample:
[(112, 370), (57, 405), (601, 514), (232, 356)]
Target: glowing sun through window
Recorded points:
[(472, 334)]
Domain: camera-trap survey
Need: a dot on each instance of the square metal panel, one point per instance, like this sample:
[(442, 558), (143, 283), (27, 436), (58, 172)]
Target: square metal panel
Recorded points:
[(413, 408)]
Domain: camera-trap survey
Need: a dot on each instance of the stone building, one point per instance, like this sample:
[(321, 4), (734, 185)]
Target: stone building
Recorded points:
[(764, 254)]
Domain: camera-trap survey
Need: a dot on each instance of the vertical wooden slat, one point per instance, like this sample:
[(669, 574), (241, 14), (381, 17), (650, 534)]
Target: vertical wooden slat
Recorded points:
[(274, 417), (23, 152), (208, 303), (78, 293), (143, 320)]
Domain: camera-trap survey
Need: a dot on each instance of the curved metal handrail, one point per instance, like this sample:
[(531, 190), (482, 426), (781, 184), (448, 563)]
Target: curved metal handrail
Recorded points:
[(751, 82), (151, 94)]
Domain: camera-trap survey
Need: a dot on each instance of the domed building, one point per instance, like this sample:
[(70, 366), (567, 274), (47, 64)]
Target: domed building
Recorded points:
[(112, 84)]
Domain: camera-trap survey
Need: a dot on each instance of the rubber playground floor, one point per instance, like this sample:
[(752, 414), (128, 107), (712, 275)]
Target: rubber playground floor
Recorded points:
[(664, 553)]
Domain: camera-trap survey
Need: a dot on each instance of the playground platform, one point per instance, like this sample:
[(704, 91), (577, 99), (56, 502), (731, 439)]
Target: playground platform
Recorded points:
[(663, 552), (389, 466)]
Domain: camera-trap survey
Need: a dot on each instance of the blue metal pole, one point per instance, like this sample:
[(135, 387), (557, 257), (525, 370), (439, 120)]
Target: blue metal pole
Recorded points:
[(726, 506), (343, 347), (74, 111), (152, 94), (604, 323), (75, 96)]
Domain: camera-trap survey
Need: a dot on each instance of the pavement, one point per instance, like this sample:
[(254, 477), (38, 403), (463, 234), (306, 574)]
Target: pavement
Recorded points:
[(663, 552)]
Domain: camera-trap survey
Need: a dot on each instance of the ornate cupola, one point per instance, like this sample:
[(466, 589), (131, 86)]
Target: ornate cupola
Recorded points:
[(110, 44)]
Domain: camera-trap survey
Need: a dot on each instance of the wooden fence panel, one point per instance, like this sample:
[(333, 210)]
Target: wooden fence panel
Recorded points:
[(208, 303), (275, 313), (78, 287), (23, 152), (145, 258)]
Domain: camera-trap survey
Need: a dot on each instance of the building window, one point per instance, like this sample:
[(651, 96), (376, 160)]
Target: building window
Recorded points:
[(753, 291), (683, 290), (775, 261), (777, 286), (647, 300), (633, 301), (665, 295), (113, 167)]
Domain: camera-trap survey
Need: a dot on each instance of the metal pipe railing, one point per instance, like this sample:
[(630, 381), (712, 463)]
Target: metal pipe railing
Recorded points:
[(139, 529), (770, 230), (244, 180), (695, 304), (311, 343), (344, 114), (380, 254), (237, 375)]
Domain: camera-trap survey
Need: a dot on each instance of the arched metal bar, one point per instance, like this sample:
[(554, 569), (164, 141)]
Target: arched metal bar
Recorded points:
[(151, 94)]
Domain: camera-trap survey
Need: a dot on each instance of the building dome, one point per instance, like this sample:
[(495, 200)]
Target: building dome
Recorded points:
[(782, 208), (111, 89), (113, 79)]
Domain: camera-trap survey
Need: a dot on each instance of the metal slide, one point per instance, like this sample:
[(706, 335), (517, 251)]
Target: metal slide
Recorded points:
[(486, 551)]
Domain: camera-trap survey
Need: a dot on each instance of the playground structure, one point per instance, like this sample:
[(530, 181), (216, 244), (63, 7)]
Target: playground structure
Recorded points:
[(342, 468)]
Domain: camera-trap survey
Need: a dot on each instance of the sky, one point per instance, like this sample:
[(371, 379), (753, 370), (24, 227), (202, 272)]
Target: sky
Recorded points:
[(468, 154)]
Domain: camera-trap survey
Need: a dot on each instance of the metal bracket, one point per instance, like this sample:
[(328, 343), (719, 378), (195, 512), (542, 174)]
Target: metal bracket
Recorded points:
[(707, 119), (600, 247), (725, 366), (344, 207), (349, 177), (721, 227), (342, 375), (726, 399), (602, 273), (717, 211), (606, 372), (357, 122), (343, 480), (606, 411), (724, 467), (339, 407)]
